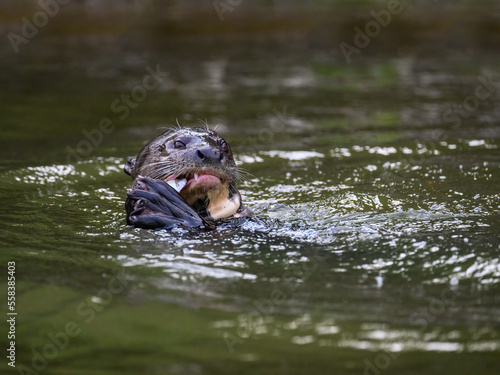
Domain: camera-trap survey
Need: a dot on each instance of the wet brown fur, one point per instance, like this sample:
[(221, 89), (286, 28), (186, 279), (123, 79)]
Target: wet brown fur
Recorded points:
[(160, 158)]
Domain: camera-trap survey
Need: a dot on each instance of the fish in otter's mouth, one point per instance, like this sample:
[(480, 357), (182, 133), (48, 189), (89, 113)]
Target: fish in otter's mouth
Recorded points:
[(206, 191), (202, 181), (199, 165)]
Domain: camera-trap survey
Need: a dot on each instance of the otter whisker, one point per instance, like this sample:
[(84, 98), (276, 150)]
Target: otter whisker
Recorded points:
[(165, 168), (245, 176), (190, 159), (165, 162), (167, 132), (162, 173), (204, 123)]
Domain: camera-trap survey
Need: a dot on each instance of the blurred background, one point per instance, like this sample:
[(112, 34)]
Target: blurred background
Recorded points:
[(370, 131)]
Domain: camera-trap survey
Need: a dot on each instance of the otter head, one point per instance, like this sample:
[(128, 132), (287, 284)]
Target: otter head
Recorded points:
[(197, 163)]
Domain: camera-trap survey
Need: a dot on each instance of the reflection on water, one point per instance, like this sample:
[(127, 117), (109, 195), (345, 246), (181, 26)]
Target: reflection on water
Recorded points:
[(375, 227), (383, 255)]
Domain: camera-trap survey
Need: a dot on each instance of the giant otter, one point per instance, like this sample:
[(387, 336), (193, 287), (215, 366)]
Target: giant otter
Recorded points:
[(183, 177)]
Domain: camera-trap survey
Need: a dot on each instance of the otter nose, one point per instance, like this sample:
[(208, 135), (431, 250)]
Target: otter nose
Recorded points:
[(208, 154)]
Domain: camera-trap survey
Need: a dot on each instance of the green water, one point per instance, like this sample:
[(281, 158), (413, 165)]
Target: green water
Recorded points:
[(375, 247)]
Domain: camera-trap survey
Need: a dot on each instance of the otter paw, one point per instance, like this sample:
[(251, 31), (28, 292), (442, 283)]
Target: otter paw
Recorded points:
[(155, 204)]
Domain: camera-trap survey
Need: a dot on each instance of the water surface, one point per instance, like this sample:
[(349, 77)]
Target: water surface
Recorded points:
[(375, 243)]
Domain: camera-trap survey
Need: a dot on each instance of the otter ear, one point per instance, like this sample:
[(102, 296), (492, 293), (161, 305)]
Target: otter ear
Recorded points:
[(129, 166)]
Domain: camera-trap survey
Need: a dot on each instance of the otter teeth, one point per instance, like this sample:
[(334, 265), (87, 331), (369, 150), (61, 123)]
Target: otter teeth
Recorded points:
[(178, 185), (196, 176)]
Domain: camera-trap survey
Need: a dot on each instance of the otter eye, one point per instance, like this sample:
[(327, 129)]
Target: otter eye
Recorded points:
[(179, 145), (224, 147)]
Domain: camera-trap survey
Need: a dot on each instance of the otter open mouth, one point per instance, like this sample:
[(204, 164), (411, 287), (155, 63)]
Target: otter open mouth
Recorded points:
[(198, 164), (207, 191), (200, 182)]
